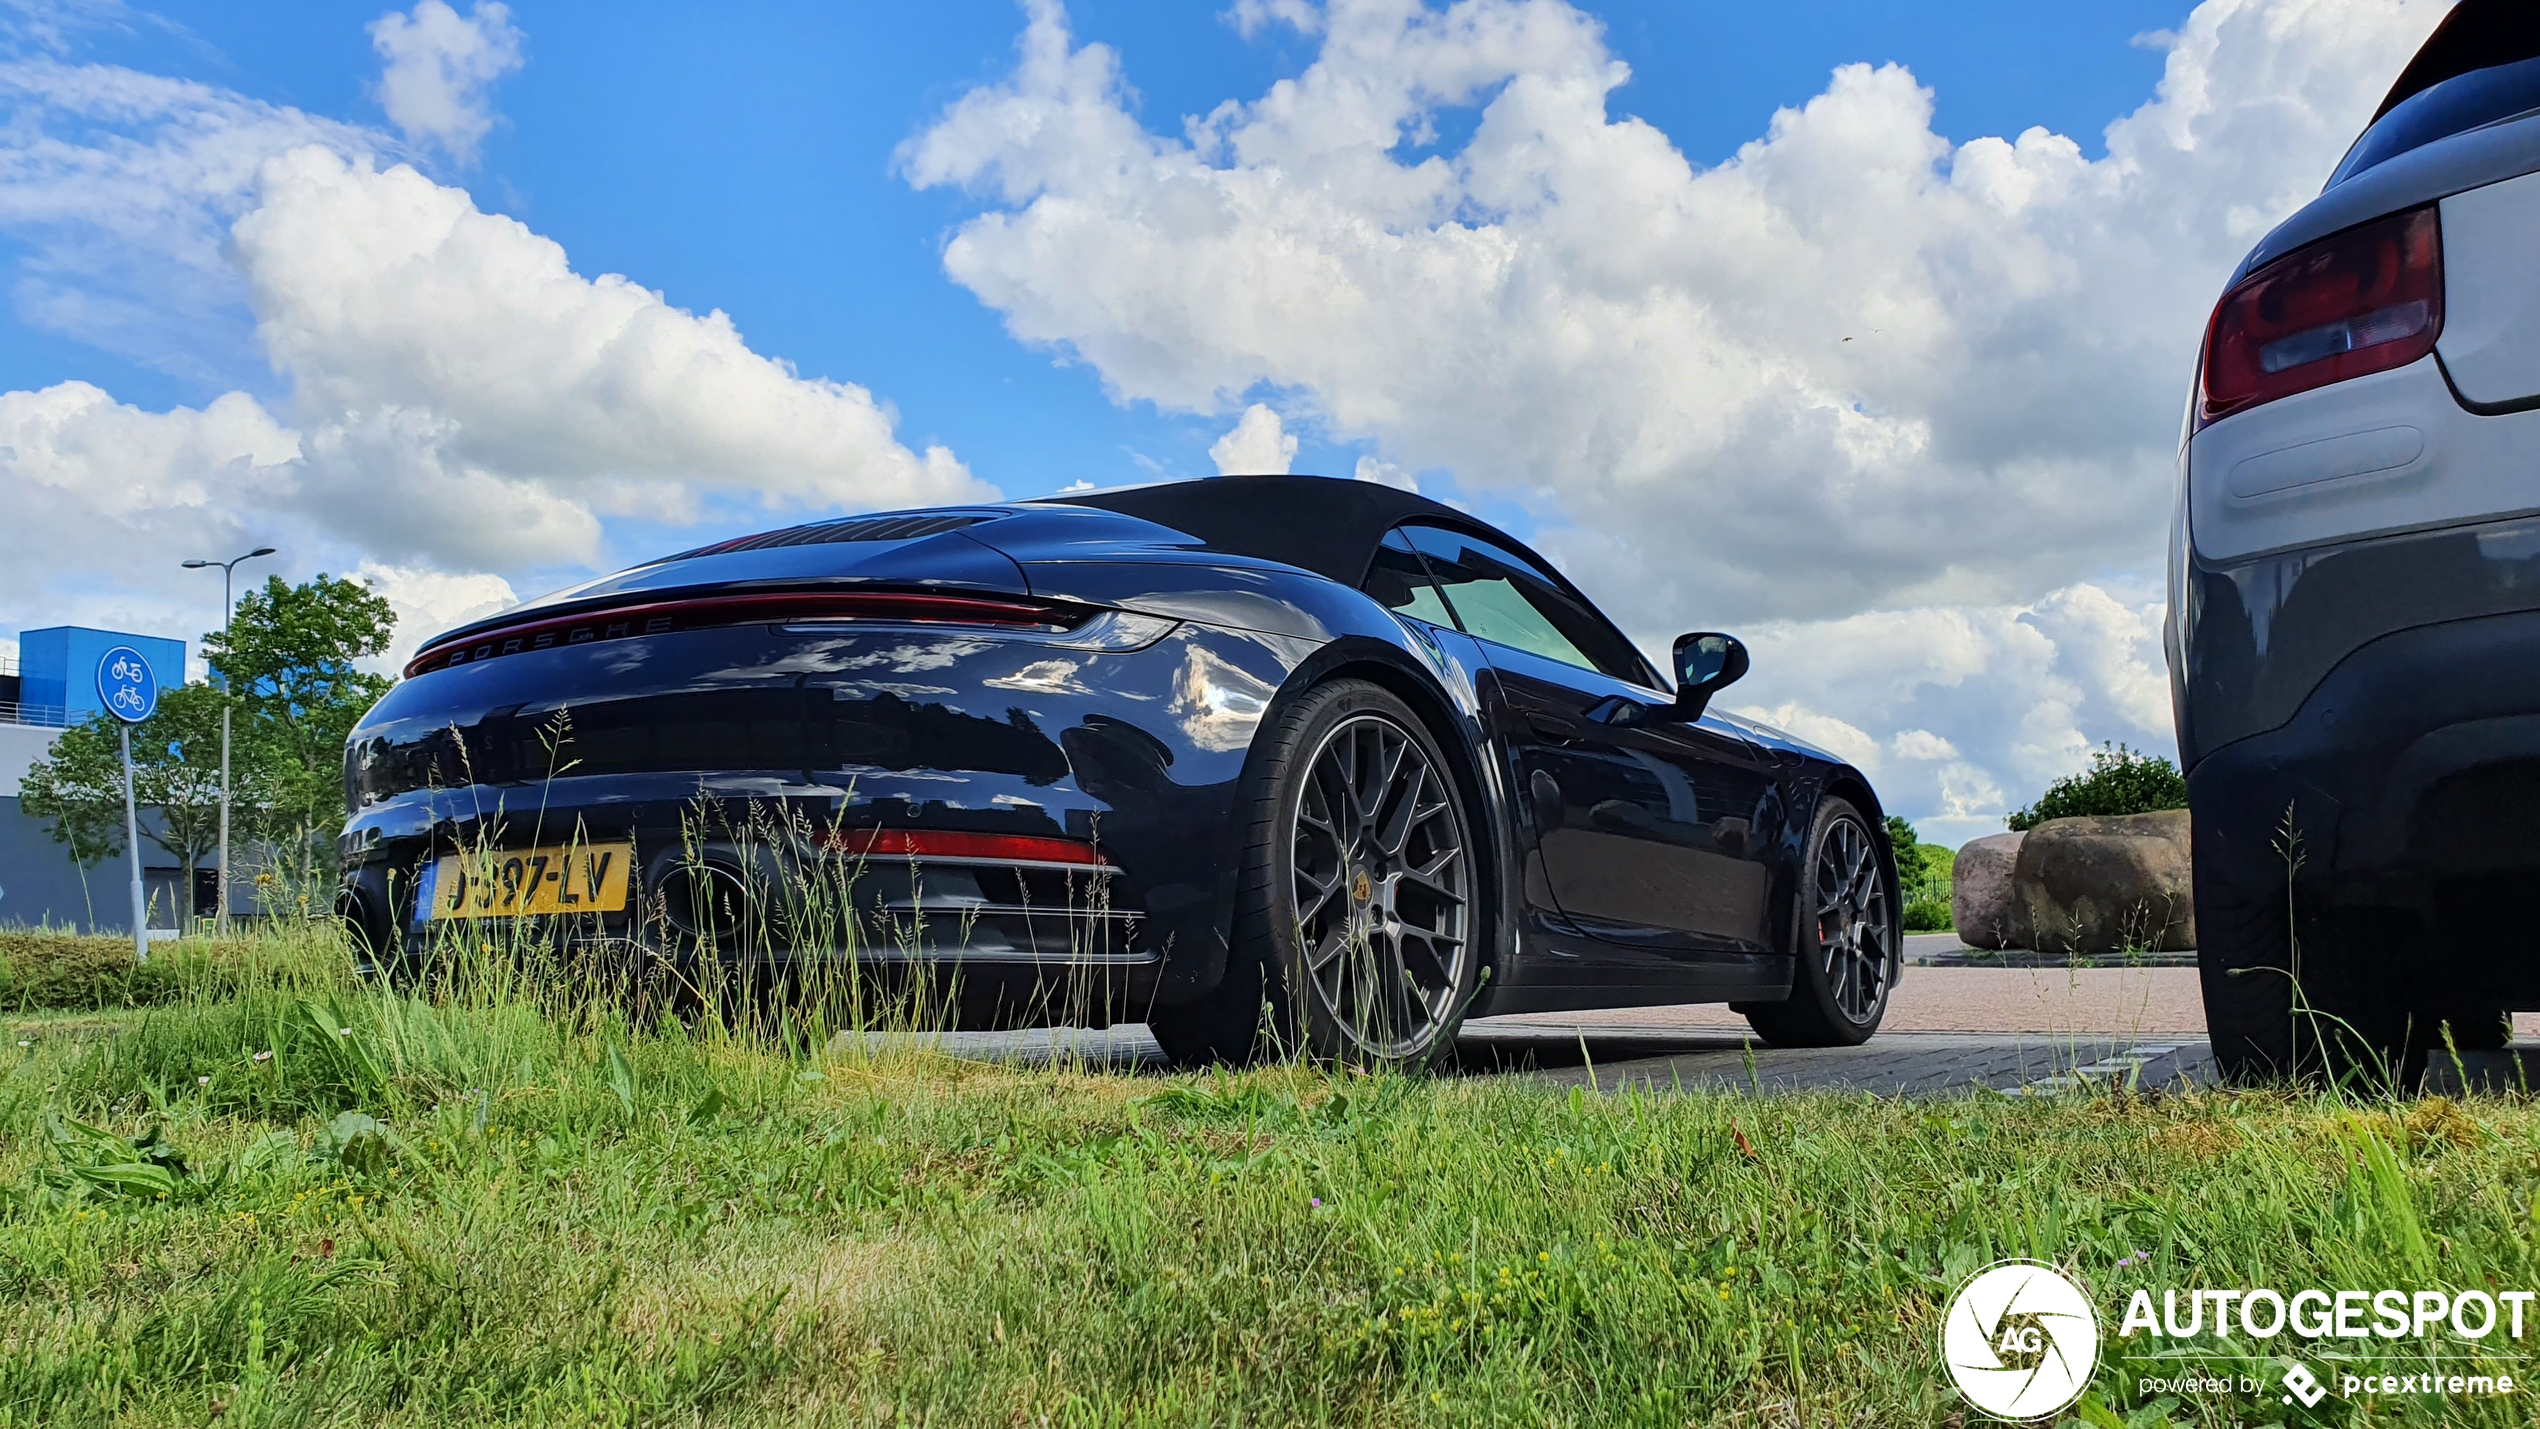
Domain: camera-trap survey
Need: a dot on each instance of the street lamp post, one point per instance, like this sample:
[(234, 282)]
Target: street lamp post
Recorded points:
[(221, 912)]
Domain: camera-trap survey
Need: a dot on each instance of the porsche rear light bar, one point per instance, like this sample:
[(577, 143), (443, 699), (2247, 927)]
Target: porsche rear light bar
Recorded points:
[(2358, 302), (957, 844), (701, 612)]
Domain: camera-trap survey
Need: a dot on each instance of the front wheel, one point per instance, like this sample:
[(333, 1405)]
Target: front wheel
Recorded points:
[(1844, 938), (1357, 921)]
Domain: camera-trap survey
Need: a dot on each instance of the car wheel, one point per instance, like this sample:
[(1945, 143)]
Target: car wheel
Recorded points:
[(1357, 931), (2244, 963), (1844, 937), (2273, 1017)]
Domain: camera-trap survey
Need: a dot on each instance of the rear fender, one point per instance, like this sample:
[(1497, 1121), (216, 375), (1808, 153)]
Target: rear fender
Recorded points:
[(1441, 691)]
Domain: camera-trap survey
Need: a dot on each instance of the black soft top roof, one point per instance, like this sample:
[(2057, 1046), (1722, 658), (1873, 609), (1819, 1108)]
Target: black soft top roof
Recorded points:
[(1327, 525), (2477, 34)]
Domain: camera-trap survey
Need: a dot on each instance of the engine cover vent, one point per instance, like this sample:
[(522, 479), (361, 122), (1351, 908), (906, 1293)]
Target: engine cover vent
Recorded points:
[(908, 527)]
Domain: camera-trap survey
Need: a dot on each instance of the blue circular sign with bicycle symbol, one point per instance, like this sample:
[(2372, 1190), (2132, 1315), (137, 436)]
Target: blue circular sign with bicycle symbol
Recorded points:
[(125, 685)]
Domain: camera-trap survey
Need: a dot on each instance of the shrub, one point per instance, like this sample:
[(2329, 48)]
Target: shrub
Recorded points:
[(2120, 781), (1923, 876), (46, 969)]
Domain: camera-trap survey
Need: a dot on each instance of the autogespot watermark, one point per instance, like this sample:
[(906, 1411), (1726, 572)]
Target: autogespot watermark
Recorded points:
[(2325, 1317), (2021, 1341)]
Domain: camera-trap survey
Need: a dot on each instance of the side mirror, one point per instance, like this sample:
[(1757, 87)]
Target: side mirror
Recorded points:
[(1706, 663)]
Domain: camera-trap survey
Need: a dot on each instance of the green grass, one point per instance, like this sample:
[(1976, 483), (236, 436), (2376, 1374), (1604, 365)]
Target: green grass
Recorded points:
[(482, 1211)]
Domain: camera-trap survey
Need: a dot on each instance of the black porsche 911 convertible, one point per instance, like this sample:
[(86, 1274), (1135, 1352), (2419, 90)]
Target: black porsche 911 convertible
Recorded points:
[(1261, 761)]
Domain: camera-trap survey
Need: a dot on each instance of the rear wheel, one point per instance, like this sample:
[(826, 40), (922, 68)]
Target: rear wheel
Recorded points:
[(1844, 936), (1357, 925), (2345, 1009)]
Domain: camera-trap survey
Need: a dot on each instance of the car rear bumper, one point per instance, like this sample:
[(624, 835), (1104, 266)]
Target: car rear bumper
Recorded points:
[(2263, 636), (2406, 783), (1133, 757)]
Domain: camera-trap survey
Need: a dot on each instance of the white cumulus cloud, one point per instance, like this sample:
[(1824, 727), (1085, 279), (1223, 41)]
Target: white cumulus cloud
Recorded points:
[(1251, 17), (105, 500), (456, 365), (1856, 368), (1257, 445), (1384, 473), (439, 66), (428, 601), (456, 405), (1987, 703)]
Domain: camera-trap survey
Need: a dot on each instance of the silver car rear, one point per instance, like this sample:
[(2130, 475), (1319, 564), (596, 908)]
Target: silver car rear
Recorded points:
[(2354, 633)]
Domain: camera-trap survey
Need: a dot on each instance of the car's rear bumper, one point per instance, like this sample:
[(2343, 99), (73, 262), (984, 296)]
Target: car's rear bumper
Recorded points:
[(2407, 783), (753, 882), (1131, 756)]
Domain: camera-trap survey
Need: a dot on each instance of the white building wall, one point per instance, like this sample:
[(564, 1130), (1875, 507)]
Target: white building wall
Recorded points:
[(20, 746)]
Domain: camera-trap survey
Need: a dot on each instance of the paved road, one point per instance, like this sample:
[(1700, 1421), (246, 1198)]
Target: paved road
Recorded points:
[(1891, 1064), (1957, 1021), (1948, 1030)]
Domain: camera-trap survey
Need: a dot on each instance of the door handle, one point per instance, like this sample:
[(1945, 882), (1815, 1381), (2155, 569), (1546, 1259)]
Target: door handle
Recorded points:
[(1559, 731)]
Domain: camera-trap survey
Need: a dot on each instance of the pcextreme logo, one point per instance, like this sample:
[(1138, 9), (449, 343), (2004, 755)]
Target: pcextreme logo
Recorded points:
[(2020, 1340)]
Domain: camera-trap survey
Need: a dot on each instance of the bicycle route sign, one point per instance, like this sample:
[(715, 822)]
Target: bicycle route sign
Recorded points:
[(125, 685)]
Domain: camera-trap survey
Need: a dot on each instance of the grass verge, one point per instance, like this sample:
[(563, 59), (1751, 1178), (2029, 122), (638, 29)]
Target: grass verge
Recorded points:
[(286, 1199)]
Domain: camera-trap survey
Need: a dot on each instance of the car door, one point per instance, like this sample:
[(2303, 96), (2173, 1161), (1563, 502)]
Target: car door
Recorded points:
[(1648, 831)]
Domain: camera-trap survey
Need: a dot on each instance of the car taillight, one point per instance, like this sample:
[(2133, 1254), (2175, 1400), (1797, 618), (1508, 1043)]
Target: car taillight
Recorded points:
[(2365, 300), (966, 846)]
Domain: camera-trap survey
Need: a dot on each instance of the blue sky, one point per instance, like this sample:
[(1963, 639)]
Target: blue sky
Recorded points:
[(740, 157), (1858, 328)]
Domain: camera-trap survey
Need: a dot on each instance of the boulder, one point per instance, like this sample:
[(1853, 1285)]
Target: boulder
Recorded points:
[(2103, 885), (1981, 903)]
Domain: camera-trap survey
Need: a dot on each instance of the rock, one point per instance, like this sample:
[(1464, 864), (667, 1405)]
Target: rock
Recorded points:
[(2102, 885), (1981, 903)]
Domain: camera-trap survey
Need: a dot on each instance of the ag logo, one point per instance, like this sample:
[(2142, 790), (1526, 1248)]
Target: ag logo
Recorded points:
[(2020, 1340)]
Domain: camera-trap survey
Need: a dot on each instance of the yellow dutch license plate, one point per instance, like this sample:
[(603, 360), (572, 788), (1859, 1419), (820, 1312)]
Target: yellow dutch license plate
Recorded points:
[(513, 883)]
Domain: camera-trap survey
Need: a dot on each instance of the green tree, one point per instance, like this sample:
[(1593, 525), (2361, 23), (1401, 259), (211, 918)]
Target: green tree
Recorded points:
[(78, 785), (291, 655), (2119, 781), (176, 770), (1923, 873)]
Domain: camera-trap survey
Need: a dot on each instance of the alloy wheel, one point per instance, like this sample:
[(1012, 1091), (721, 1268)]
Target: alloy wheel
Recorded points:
[(1856, 930), (1381, 882)]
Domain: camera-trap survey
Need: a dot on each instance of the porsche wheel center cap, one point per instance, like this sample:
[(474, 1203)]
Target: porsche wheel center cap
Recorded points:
[(1361, 887)]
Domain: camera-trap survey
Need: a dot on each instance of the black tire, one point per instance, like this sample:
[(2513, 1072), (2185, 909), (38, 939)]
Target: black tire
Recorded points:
[(1358, 929), (2244, 961), (1843, 937), (2273, 1018)]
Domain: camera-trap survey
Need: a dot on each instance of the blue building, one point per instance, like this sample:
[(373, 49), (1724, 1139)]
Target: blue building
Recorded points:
[(57, 667)]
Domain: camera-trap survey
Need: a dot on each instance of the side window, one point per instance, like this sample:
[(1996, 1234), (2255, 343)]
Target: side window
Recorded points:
[(1399, 581), (1500, 596)]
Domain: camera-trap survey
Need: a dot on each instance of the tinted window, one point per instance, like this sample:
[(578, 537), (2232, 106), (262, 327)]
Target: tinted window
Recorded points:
[(1398, 581), (1503, 597), (2460, 103)]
